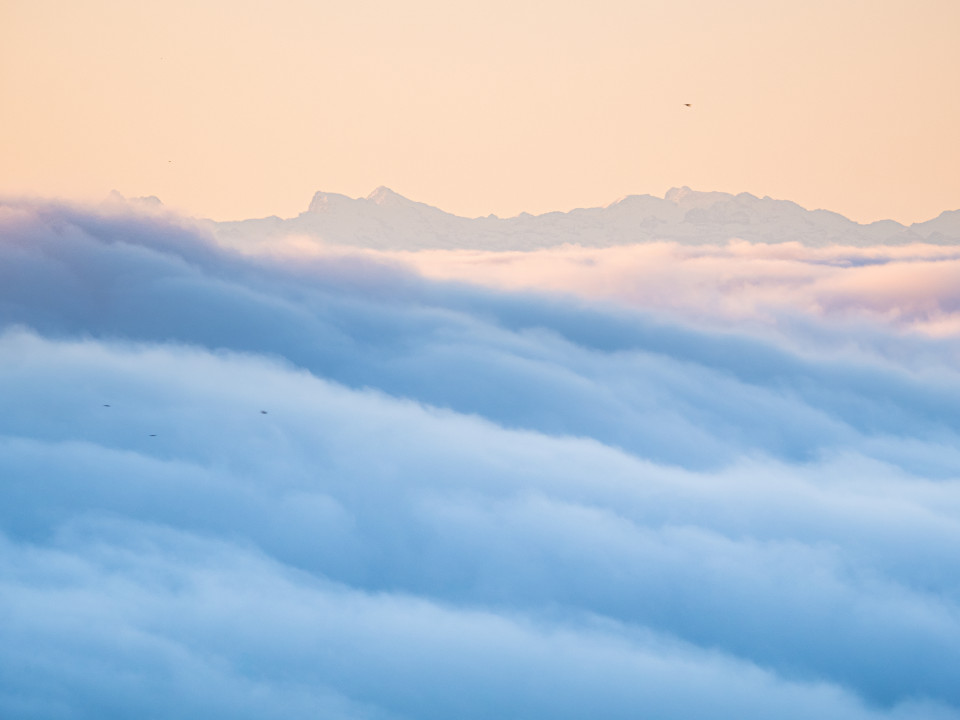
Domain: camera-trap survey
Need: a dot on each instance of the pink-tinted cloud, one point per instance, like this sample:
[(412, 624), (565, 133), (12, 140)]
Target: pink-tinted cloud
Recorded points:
[(914, 288)]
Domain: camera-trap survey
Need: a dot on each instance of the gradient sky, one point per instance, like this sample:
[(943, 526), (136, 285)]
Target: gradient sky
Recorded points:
[(241, 109)]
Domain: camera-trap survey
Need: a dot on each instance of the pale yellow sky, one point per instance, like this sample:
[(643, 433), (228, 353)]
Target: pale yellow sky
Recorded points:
[(233, 109)]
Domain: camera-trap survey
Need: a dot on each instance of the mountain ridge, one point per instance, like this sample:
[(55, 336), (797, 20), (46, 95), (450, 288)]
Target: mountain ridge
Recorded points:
[(386, 220)]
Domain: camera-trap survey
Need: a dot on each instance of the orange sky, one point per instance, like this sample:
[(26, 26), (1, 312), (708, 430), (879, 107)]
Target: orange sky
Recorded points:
[(233, 109)]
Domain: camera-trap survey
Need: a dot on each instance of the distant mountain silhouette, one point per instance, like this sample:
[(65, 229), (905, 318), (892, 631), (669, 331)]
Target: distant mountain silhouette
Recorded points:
[(385, 220)]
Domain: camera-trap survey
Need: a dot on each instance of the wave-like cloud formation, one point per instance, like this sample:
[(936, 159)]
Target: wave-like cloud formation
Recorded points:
[(735, 284), (460, 502)]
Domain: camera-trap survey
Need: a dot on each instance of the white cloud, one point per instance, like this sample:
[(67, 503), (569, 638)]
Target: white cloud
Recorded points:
[(460, 502)]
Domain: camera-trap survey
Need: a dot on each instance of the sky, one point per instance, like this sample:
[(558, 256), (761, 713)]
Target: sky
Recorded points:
[(235, 109), (268, 486)]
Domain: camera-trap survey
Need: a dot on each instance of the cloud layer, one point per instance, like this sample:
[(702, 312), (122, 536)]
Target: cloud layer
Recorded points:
[(461, 502), (911, 288)]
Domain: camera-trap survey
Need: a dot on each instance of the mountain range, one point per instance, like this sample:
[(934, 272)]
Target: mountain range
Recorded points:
[(385, 220)]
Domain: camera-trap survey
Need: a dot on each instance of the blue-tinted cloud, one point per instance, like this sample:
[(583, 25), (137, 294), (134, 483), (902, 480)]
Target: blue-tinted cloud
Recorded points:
[(459, 502)]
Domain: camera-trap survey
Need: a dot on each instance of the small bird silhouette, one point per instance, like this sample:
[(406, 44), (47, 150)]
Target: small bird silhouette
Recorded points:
[(687, 105), (152, 434), (263, 412), (106, 406)]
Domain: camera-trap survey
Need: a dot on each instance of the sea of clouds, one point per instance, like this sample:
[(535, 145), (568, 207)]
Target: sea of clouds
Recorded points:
[(716, 482)]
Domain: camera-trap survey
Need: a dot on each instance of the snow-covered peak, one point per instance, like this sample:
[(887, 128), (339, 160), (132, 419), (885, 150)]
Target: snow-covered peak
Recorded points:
[(152, 201), (385, 196), (687, 199), (323, 201)]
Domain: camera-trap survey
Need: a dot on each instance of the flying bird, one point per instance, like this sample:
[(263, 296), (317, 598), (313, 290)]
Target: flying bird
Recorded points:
[(687, 105), (263, 412), (106, 406)]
